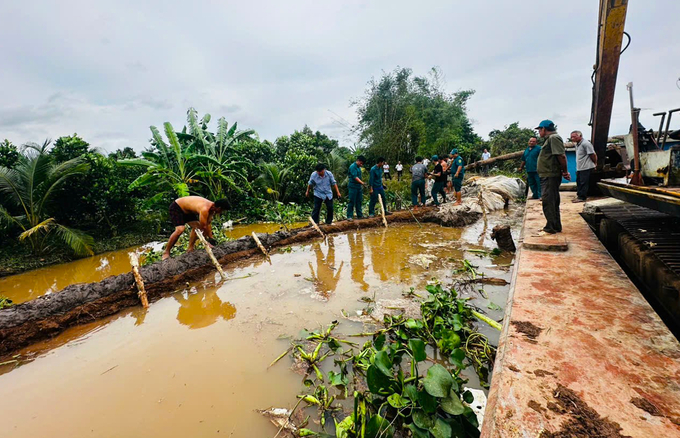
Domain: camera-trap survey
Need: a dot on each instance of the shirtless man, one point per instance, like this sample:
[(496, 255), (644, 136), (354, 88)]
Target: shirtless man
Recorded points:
[(198, 213)]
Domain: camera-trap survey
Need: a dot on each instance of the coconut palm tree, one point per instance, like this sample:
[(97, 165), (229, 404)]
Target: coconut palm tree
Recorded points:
[(273, 180), (28, 189)]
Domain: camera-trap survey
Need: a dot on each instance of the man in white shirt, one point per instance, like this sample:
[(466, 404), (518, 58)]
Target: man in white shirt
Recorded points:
[(386, 171), (400, 170), (485, 156), (586, 161)]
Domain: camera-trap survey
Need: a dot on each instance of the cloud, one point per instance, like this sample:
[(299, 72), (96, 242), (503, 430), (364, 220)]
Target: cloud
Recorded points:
[(276, 66)]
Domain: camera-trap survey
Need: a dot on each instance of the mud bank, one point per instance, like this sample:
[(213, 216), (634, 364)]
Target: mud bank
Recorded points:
[(49, 315)]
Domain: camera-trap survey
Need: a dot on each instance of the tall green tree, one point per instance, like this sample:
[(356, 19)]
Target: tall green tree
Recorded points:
[(29, 189), (69, 147), (9, 155), (510, 139), (402, 115)]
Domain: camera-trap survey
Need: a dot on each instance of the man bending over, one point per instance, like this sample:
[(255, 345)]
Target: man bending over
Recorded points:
[(198, 213)]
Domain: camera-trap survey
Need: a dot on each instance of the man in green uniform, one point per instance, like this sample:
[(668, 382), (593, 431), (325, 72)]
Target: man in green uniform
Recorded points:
[(376, 184), (551, 166), (529, 162), (457, 175), (355, 185)]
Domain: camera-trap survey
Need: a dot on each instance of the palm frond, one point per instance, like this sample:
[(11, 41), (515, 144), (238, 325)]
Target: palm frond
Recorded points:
[(80, 242), (42, 226), (7, 217)]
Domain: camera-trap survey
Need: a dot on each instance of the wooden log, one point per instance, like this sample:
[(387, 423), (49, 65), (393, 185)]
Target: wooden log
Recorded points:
[(316, 227), (199, 233), (382, 210), (503, 237), (259, 245), (492, 160), (141, 291)]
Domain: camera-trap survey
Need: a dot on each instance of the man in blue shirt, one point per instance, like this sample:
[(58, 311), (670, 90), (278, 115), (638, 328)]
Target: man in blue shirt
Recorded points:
[(529, 160), (322, 181), (376, 185), (355, 186)]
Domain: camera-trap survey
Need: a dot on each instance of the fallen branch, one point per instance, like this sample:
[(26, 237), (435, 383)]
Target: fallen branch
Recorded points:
[(141, 292), (199, 233)]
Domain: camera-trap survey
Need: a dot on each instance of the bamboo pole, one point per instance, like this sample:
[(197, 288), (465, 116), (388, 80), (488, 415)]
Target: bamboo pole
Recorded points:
[(199, 233), (141, 292), (316, 227), (259, 244), (382, 210)]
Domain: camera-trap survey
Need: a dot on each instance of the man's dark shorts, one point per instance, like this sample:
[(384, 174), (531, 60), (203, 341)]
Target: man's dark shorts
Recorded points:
[(457, 184), (178, 217)]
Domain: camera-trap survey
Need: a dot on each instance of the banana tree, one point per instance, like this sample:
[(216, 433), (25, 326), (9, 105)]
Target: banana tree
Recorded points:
[(230, 174), (28, 189), (170, 167)]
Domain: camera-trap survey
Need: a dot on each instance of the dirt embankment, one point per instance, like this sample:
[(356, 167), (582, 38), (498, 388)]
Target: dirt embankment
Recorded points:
[(49, 315)]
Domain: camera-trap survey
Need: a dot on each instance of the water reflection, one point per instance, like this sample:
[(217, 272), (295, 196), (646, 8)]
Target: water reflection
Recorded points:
[(327, 275), (32, 284), (203, 308), (356, 248)]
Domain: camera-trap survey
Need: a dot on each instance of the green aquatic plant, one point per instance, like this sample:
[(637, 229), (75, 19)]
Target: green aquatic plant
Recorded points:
[(407, 377), (5, 302)]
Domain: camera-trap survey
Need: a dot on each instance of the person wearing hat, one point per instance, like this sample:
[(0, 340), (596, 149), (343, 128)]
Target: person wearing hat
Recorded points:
[(439, 180), (457, 174), (551, 167)]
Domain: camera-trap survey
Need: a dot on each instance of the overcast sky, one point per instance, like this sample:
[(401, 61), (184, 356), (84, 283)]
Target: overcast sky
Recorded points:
[(108, 69)]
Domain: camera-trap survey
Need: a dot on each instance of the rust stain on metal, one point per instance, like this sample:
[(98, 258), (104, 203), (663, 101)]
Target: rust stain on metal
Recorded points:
[(600, 340), (527, 328), (583, 420), (646, 406)]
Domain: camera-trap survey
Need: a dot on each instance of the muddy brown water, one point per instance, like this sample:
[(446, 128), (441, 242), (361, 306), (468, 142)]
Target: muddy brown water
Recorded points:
[(32, 284), (195, 363)]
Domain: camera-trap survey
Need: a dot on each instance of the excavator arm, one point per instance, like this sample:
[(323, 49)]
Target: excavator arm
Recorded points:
[(610, 37)]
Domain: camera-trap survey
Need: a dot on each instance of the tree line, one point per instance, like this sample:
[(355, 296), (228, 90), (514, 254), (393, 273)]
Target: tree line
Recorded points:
[(69, 193)]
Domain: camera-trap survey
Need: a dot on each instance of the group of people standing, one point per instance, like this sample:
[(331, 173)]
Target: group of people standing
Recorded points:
[(546, 166)]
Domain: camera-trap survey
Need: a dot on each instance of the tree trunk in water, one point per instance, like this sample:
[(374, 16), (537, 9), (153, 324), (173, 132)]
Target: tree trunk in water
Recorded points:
[(503, 237)]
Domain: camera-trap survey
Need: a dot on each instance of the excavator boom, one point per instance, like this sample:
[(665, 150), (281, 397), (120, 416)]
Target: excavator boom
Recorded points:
[(610, 38)]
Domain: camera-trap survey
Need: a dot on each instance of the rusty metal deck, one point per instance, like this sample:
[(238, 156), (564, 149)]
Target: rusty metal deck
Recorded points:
[(663, 199), (575, 319), (657, 231)]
